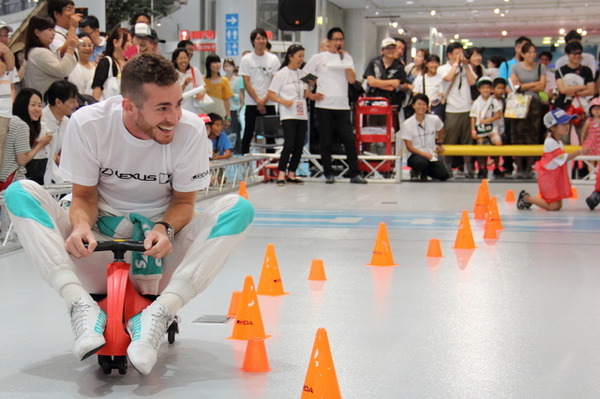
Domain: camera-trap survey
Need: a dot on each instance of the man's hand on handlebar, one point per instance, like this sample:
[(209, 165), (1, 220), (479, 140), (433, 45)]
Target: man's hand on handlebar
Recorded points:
[(75, 243), (157, 244)]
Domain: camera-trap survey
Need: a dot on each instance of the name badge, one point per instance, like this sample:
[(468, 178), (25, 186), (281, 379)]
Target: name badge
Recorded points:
[(300, 108)]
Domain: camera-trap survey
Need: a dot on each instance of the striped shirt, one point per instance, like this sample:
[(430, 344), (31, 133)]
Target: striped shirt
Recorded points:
[(17, 142)]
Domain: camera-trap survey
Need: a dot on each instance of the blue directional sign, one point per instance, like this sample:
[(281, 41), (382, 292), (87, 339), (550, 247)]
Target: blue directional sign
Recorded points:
[(232, 34)]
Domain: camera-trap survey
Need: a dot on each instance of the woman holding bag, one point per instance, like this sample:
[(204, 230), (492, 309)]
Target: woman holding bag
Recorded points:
[(189, 78), (107, 78), (528, 77)]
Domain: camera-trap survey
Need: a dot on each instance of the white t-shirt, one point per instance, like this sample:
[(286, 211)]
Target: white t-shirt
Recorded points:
[(6, 80), (588, 60), (287, 85), (459, 98), (260, 69), (59, 40), (433, 86), (193, 72), (422, 136), (133, 175), (484, 109), (82, 77), (550, 145), (58, 130), (331, 82)]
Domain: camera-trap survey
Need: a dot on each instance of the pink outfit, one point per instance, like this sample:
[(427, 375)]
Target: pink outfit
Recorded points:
[(592, 140)]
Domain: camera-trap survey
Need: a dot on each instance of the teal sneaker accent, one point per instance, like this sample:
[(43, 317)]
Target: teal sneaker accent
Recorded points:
[(234, 221), (135, 327), (100, 322), (23, 204)]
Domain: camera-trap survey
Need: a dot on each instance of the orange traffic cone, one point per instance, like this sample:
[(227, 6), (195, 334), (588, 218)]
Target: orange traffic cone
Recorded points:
[(494, 214), (490, 229), (510, 196), (482, 201), (242, 191), (435, 249), (464, 236), (317, 271), (270, 280), (234, 304), (321, 381), (256, 360), (382, 253), (248, 320), (574, 192)]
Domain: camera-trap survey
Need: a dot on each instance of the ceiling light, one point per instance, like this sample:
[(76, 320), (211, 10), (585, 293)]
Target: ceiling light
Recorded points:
[(456, 36), (561, 31), (414, 40), (394, 24), (400, 31), (506, 1), (504, 33), (409, 2), (496, 11), (583, 32), (502, 15), (561, 40), (432, 13), (579, 31), (556, 45)]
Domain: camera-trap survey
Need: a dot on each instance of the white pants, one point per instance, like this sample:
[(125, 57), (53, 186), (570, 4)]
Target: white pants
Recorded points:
[(200, 249)]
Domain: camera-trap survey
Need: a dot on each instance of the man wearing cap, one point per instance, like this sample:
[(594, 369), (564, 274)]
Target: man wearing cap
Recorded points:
[(8, 77), (147, 41)]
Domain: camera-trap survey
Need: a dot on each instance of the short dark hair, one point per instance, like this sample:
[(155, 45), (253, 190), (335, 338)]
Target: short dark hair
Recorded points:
[(62, 90), (210, 59), (146, 68), (256, 32), (573, 35), (527, 46), (139, 14), (91, 22), (453, 46), (496, 60), (183, 43), (547, 54), (522, 39), (175, 55), (498, 81), (21, 109), (571, 47), (214, 118), (57, 6), (333, 30), (432, 57), (419, 96), (37, 22), (401, 40)]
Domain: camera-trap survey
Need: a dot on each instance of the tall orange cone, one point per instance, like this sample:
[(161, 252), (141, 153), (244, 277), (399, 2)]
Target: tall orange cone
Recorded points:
[(317, 271), (464, 236), (243, 191), (270, 279), (234, 304), (482, 201), (248, 321), (510, 196), (490, 229), (574, 193), (321, 381), (255, 359), (435, 249), (382, 252), (495, 214)]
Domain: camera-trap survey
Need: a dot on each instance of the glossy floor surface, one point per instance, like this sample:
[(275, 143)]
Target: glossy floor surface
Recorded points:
[(518, 317)]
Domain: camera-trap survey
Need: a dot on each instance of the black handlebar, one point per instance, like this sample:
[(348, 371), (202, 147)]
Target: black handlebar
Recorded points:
[(119, 247)]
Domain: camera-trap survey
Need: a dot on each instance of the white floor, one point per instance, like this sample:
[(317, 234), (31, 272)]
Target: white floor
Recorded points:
[(515, 318)]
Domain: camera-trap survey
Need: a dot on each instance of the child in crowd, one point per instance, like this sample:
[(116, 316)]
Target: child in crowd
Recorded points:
[(553, 179), (590, 137), (486, 111), (499, 92), (221, 144)]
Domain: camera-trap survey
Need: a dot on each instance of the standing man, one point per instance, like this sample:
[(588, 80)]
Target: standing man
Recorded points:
[(8, 77), (91, 27), (457, 123), (135, 163), (335, 70), (257, 69), (63, 14), (587, 59)]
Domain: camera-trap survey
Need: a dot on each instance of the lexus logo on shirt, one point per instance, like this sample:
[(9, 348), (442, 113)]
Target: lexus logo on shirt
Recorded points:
[(162, 178)]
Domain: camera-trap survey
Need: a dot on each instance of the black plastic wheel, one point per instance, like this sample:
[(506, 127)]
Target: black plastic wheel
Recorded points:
[(120, 363), (171, 331), (105, 363)]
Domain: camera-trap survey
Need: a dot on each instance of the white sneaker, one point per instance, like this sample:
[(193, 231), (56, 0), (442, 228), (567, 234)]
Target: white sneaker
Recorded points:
[(88, 322), (147, 330)]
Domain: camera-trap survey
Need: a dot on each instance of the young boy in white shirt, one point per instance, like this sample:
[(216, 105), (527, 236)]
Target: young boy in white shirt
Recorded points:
[(485, 114)]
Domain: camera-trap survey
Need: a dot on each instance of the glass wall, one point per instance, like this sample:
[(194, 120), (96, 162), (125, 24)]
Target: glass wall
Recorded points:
[(14, 6)]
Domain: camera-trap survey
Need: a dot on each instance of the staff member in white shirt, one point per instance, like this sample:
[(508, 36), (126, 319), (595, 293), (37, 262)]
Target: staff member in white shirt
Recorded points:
[(257, 69), (335, 70)]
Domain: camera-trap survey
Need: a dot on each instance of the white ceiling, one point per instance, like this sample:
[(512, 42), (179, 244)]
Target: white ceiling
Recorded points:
[(476, 18)]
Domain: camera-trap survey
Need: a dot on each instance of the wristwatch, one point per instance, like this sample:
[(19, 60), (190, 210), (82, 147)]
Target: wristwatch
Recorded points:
[(170, 230)]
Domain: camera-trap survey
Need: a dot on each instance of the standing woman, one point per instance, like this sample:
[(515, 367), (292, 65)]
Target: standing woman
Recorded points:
[(107, 78), (189, 78), (475, 69), (83, 73), (217, 87), (528, 77), (288, 90), (236, 102), (43, 67), (417, 67), (23, 140)]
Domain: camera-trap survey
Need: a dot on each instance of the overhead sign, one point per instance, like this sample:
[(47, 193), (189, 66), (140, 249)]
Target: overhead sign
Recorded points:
[(232, 33), (204, 40)]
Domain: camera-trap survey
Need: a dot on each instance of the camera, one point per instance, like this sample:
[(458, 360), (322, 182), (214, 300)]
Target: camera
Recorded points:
[(83, 11)]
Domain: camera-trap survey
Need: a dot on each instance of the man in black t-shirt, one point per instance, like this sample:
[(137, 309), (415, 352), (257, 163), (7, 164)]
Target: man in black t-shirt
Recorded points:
[(574, 79)]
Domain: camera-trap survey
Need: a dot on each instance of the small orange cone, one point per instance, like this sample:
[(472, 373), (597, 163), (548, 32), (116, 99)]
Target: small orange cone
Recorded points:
[(435, 249), (317, 271), (510, 196), (490, 229), (270, 280), (574, 192), (321, 381), (464, 236), (234, 304), (256, 360), (248, 320), (382, 253), (494, 214), (482, 201), (242, 191)]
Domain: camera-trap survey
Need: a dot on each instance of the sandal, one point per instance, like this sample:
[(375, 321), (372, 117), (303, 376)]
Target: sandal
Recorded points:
[(281, 183), (294, 181)]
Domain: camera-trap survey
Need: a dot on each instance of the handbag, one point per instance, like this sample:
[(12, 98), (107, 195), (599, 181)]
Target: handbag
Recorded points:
[(517, 106), (112, 85), (579, 112)]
